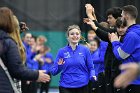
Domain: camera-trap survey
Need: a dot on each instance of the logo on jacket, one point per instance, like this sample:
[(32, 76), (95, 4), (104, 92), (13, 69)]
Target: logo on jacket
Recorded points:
[(67, 55), (81, 54)]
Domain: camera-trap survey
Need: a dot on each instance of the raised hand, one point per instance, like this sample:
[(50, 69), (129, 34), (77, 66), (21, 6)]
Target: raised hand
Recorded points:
[(91, 23), (90, 11)]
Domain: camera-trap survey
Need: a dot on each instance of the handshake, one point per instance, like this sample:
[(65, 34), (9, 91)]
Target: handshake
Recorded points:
[(43, 77)]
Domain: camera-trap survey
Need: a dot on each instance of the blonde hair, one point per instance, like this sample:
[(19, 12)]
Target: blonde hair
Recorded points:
[(16, 36), (72, 27), (42, 37)]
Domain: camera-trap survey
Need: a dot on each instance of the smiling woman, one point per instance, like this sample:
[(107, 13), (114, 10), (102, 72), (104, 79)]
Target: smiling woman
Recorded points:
[(75, 64), (73, 35)]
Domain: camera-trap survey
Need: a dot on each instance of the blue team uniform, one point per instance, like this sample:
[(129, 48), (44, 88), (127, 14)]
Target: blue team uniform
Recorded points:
[(77, 69), (129, 50)]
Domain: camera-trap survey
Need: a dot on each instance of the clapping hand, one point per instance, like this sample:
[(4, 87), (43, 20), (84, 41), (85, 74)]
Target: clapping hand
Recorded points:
[(113, 37)]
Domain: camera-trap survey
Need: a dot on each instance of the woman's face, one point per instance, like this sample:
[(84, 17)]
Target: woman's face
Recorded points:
[(74, 36), (27, 38), (93, 46)]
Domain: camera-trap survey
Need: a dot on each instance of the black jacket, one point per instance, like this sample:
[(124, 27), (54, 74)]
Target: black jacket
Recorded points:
[(13, 62), (111, 62)]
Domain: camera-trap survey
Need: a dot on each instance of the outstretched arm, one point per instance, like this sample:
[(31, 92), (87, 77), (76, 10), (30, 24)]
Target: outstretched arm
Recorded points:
[(123, 50), (99, 32)]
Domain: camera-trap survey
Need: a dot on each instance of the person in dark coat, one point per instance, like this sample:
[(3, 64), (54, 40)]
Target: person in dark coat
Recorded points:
[(11, 57)]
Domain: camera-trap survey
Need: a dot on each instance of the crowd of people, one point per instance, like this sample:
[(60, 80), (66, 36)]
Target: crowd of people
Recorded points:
[(13, 54), (108, 62), (123, 46), (38, 58)]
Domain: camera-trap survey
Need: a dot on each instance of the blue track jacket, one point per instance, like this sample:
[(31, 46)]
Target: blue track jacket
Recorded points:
[(77, 69), (129, 50)]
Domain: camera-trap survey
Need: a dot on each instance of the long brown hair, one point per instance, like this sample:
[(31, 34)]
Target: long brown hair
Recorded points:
[(16, 36), (6, 20), (9, 24)]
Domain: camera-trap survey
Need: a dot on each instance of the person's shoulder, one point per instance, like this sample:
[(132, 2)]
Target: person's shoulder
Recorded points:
[(9, 41), (6, 37), (131, 34), (131, 37), (6, 44)]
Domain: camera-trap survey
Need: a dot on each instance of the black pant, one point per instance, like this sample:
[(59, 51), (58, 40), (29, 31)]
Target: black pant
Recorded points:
[(101, 83), (44, 87), (94, 88), (133, 89), (83, 89), (29, 88), (90, 87), (109, 84)]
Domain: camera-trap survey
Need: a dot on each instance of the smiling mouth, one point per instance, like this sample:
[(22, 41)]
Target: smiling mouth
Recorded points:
[(74, 38)]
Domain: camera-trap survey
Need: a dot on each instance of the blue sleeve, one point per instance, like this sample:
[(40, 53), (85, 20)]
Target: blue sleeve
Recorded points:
[(98, 58), (29, 57), (129, 43), (115, 46), (30, 54), (101, 56), (102, 50), (90, 64), (55, 69), (123, 50), (49, 55), (29, 62)]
